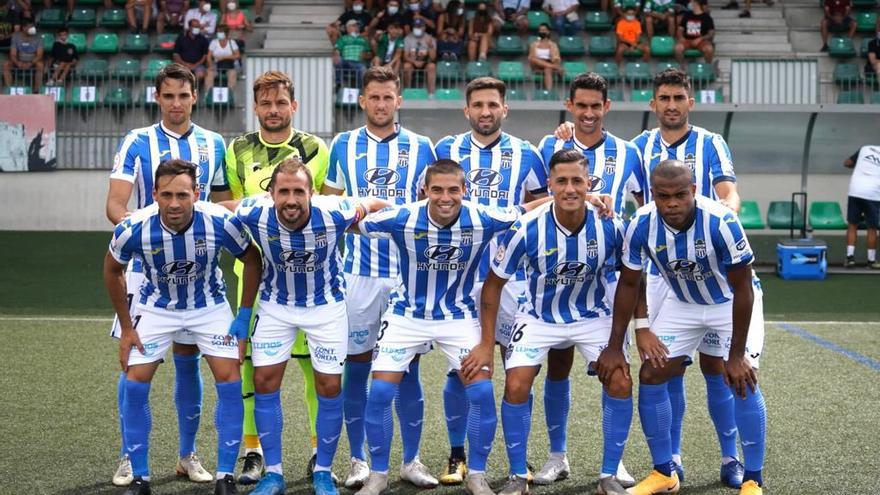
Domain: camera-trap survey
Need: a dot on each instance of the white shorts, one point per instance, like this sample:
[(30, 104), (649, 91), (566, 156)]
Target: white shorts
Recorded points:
[(325, 326), (206, 327), (656, 291), (401, 338), (712, 343), (366, 299), (512, 295), (133, 282)]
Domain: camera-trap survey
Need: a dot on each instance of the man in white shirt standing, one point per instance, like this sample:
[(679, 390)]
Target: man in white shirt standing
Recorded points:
[(863, 202)]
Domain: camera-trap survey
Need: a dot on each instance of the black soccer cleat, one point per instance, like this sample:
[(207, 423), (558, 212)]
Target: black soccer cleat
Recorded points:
[(138, 486), (310, 470), (226, 486), (253, 468)]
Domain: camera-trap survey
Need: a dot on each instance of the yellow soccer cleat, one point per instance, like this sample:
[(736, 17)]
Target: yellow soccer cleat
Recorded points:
[(656, 482), (455, 471), (751, 487)]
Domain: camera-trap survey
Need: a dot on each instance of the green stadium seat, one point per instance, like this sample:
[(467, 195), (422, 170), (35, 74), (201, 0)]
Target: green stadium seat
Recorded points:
[(629, 209), (701, 72), (642, 95), (826, 215), (866, 22), (113, 18), (415, 94), (602, 46), (448, 94), (692, 53), (127, 69), (89, 3), (515, 94), (597, 21), (448, 72), (875, 97), (509, 45), (573, 69), (78, 40), (164, 43), (221, 97), (850, 98), (847, 74), (477, 69), (17, 90), (508, 27), (572, 46), (750, 215), (93, 69), (153, 68), (864, 4), (545, 95), (56, 92), (136, 43), (83, 18), (118, 97), (48, 41), (51, 19), (511, 71), (536, 18), (84, 96), (662, 46), (637, 73), (615, 94), (784, 215), (105, 43), (608, 70), (840, 47), (668, 64)]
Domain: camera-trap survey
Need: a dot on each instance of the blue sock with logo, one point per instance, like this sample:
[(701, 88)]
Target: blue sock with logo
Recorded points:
[(188, 399), (751, 419), (355, 389), (678, 401), (380, 423), (410, 405), (138, 424), (655, 412), (120, 398), (722, 411), (455, 407), (616, 420), (515, 421), (329, 428), (482, 421), (557, 402), (229, 420), (270, 423)]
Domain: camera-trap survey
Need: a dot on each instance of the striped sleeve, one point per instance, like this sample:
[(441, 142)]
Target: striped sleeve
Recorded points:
[(235, 235), (126, 163), (119, 243), (720, 161), (382, 224), (536, 180), (335, 173), (426, 149), (442, 149), (219, 182), (510, 252), (497, 219), (635, 243), (731, 242)]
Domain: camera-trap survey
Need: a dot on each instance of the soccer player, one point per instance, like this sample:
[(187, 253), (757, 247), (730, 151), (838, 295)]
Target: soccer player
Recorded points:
[(863, 201), (441, 242), (134, 167), (302, 290), (250, 161), (500, 170), (178, 240), (612, 164), (566, 247), (384, 160), (703, 255)]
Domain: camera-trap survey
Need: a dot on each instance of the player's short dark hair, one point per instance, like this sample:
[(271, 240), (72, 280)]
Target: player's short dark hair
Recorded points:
[(588, 80), (178, 72), (272, 79), (670, 170), (291, 166), (443, 166), (568, 156), (381, 74), (174, 167), (672, 77), (485, 83)]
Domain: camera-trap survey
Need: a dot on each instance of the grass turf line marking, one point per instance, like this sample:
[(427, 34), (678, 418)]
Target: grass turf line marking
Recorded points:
[(54, 318), (825, 322), (855, 356)]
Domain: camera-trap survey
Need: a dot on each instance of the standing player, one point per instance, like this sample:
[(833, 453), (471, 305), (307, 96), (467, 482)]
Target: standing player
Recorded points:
[(501, 170), (863, 200), (134, 167), (703, 255), (566, 247), (441, 242), (302, 290), (250, 161), (179, 239), (386, 161)]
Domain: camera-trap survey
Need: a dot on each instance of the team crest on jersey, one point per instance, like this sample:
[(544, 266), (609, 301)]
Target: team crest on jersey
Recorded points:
[(610, 165), (691, 161), (499, 254), (117, 162), (321, 239), (403, 158), (201, 247), (700, 248), (467, 237), (506, 159), (203, 154), (592, 249)]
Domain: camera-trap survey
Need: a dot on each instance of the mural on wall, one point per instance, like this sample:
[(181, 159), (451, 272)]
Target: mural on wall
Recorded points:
[(27, 133)]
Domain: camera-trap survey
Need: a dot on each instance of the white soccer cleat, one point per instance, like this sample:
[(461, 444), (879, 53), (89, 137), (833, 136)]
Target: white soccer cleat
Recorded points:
[(515, 486), (358, 472), (417, 473), (556, 468), (623, 476), (375, 484), (123, 476), (191, 467), (478, 485), (610, 486)]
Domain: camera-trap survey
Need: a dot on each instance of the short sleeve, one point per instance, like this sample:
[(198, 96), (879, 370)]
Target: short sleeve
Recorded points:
[(119, 243), (720, 161), (635, 243), (536, 180), (498, 219), (335, 173), (426, 158), (345, 212), (235, 235), (381, 224), (219, 181), (511, 250), (731, 242), (126, 162)]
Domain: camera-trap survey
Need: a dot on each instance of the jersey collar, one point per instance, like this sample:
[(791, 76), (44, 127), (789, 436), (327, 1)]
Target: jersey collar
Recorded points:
[(490, 145), (584, 147), (680, 140), (389, 138), (562, 228), (276, 145), (687, 227), (174, 134)]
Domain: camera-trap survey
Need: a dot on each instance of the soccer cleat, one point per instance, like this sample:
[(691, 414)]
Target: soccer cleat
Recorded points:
[(610, 485), (732, 473), (656, 482), (679, 470), (626, 479), (191, 467), (253, 468), (417, 473), (850, 260), (874, 265), (515, 486), (751, 487), (310, 469), (555, 469), (138, 486), (358, 473), (271, 484), (122, 476), (455, 471), (226, 486), (478, 485), (322, 482), (376, 483)]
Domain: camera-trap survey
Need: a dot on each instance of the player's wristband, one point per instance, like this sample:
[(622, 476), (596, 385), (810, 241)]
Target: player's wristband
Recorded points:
[(642, 323), (241, 323)]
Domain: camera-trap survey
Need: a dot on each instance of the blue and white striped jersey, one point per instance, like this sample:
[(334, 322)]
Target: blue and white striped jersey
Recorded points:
[(438, 265), (182, 269), (301, 267), (704, 152), (564, 269), (694, 262), (613, 164), (391, 168)]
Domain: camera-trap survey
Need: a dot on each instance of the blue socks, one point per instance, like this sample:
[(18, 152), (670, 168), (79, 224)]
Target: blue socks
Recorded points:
[(481, 424), (616, 420), (557, 402), (380, 423), (516, 420), (270, 423), (677, 399), (410, 405), (229, 418), (138, 423), (655, 412), (354, 389), (328, 427), (751, 419), (188, 399), (120, 397), (721, 410), (455, 406)]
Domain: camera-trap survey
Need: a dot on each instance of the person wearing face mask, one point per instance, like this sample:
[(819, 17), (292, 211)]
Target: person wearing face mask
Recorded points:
[(696, 29), (142, 9), (357, 12), (453, 18), (64, 58), (515, 11), (222, 56), (237, 23), (391, 14), (389, 49), (191, 50), (25, 57), (450, 45), (544, 56), (480, 33), (416, 12), (171, 14), (350, 54), (629, 33), (206, 18), (420, 54)]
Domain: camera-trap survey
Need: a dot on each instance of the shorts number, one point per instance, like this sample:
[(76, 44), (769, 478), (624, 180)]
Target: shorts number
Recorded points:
[(130, 298), (518, 332), (254, 329), (135, 321), (382, 328)]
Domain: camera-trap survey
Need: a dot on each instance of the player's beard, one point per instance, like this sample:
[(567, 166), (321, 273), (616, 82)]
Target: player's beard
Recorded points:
[(492, 129), (284, 124), (674, 123), (380, 121), (291, 215)]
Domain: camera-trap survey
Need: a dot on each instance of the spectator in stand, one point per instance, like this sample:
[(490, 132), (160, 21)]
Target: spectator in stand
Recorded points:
[(563, 15), (25, 57), (747, 12), (837, 20), (207, 19), (619, 7), (416, 12), (171, 14), (389, 49), (629, 34), (660, 12), (6, 29), (420, 54), (695, 31), (453, 18), (450, 46), (351, 53), (356, 12), (19, 12), (222, 56), (237, 23), (515, 11), (191, 50), (481, 30), (384, 18), (544, 56), (143, 9), (64, 57), (872, 66)]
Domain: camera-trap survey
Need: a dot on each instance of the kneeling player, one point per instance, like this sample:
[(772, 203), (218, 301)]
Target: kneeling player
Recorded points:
[(179, 241)]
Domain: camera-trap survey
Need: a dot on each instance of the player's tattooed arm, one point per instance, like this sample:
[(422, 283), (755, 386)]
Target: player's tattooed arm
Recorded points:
[(737, 371), (364, 208), (114, 281), (482, 355)]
